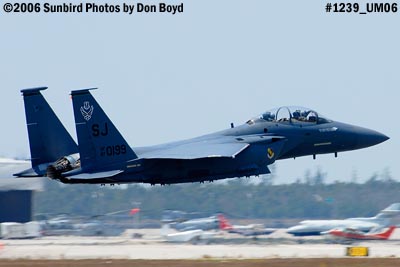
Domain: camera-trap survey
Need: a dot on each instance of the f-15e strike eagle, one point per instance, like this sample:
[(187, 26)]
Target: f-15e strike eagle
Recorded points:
[(104, 157)]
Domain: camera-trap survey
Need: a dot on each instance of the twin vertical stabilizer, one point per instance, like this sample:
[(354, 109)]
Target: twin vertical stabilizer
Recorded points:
[(100, 143), (48, 138)]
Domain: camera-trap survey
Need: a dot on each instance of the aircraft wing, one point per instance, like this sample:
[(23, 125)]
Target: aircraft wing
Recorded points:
[(183, 151), (197, 150), (227, 146)]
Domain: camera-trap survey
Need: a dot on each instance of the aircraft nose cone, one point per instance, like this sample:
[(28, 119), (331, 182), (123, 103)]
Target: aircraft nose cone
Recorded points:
[(367, 137)]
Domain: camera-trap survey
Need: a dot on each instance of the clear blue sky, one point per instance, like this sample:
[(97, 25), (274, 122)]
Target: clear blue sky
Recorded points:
[(164, 78)]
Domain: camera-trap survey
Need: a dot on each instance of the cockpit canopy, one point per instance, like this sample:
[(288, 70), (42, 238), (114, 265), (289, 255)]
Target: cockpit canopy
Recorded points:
[(291, 115)]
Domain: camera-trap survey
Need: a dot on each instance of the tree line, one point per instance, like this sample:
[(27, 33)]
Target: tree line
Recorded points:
[(238, 198)]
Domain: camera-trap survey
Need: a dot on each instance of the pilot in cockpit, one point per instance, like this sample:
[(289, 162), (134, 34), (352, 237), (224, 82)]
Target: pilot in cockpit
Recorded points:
[(305, 113), (296, 115), (268, 116)]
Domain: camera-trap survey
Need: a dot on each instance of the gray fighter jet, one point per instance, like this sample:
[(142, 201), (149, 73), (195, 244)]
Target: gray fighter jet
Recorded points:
[(104, 157)]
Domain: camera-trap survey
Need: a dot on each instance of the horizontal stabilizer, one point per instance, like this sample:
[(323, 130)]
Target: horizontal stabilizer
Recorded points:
[(393, 208), (29, 173), (94, 175)]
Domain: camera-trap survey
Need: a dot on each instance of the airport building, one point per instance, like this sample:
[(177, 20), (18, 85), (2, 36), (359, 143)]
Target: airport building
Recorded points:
[(16, 193)]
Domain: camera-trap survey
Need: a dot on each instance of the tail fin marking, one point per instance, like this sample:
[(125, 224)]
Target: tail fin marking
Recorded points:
[(224, 224), (387, 233), (100, 142)]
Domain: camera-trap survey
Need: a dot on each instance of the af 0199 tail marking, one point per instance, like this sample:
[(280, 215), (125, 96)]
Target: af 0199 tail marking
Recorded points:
[(100, 143)]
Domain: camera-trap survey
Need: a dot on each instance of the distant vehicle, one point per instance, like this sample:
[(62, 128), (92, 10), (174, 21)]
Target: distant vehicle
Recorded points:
[(14, 230), (104, 157), (315, 227), (349, 233), (245, 230)]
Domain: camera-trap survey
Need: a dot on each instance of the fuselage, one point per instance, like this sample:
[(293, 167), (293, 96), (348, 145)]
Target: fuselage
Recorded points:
[(268, 141), (298, 139), (316, 227), (195, 224)]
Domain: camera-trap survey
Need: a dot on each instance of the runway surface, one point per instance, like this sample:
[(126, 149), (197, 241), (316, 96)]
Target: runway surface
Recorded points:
[(153, 247), (318, 262)]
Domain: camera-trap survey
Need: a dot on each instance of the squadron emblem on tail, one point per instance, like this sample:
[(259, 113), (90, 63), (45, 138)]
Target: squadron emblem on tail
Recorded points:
[(87, 110)]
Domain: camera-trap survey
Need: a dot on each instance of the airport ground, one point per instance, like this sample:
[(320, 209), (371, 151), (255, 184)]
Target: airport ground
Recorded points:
[(278, 249), (316, 262)]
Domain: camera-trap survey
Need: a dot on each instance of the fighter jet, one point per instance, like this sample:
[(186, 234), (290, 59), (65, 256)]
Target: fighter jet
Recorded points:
[(104, 157), (316, 227)]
